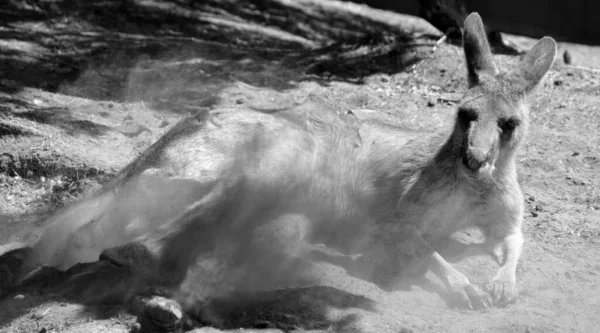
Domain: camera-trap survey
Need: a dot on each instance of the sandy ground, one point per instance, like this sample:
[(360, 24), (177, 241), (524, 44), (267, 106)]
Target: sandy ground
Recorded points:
[(84, 91)]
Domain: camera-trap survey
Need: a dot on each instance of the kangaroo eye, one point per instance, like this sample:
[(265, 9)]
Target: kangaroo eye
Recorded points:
[(466, 116), (508, 125)]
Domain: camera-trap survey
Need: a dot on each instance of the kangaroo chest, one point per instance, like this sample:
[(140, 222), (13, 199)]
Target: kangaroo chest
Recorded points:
[(440, 212)]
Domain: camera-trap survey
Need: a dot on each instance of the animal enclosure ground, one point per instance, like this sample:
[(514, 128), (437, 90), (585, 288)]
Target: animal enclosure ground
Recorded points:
[(86, 86)]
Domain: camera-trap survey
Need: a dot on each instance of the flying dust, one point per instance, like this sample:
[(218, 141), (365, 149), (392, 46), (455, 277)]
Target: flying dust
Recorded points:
[(212, 234)]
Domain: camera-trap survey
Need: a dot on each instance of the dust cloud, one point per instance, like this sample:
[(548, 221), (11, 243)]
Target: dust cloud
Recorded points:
[(211, 238)]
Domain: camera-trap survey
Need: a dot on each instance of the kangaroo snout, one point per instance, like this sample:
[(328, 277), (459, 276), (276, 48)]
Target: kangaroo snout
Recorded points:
[(480, 144), (474, 158)]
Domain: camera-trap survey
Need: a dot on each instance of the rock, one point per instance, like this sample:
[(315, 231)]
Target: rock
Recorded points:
[(214, 330), (133, 255), (136, 328), (100, 282), (576, 180), (567, 58), (157, 313), (11, 259), (262, 324), (41, 277), (164, 310), (17, 248), (132, 129), (156, 291)]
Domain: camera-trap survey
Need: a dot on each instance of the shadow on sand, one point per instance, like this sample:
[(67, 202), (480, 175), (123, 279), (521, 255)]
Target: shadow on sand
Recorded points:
[(65, 45)]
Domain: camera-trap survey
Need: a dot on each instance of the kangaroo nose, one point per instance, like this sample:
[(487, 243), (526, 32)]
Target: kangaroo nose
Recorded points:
[(474, 158)]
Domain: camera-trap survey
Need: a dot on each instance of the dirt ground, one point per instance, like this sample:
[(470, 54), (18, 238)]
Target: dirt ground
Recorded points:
[(86, 86)]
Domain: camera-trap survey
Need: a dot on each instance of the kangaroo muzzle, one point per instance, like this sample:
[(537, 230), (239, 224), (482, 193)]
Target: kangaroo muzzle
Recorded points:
[(474, 158), (479, 147)]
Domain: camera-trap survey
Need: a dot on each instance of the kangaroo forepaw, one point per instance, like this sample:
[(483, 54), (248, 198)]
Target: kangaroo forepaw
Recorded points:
[(471, 297), (502, 292)]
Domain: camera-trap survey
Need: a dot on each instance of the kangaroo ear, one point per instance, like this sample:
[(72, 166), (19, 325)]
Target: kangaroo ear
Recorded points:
[(477, 50), (534, 66)]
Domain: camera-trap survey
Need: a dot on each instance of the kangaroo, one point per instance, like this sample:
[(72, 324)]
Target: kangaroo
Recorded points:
[(361, 187)]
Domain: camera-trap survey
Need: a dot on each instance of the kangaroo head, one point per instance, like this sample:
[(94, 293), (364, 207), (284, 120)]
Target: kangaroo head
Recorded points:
[(492, 118)]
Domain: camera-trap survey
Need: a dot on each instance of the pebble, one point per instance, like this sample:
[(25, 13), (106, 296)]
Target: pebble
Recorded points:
[(20, 296), (567, 58), (136, 327), (158, 312)]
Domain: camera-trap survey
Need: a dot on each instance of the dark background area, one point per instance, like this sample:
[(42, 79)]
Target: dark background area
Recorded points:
[(575, 21)]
